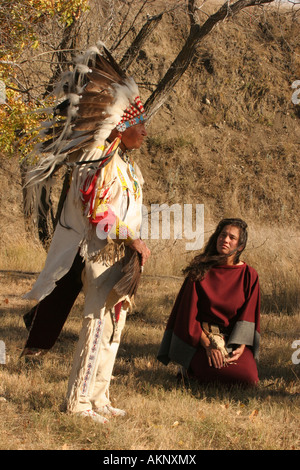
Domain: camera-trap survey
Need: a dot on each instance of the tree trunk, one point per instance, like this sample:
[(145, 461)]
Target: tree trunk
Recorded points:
[(45, 220), (135, 47), (27, 211), (68, 42)]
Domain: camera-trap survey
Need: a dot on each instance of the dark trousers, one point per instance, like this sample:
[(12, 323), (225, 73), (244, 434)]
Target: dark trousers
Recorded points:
[(46, 319)]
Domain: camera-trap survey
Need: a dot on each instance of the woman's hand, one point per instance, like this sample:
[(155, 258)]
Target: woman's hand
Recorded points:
[(236, 354), (215, 358)]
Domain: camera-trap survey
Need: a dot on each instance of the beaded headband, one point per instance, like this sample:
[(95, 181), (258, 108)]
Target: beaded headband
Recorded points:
[(134, 114)]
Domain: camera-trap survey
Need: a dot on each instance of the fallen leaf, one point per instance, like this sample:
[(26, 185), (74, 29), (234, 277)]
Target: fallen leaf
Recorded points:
[(225, 406), (201, 415), (253, 414)]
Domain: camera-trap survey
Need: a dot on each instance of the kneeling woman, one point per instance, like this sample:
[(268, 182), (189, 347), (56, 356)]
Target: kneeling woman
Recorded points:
[(214, 328)]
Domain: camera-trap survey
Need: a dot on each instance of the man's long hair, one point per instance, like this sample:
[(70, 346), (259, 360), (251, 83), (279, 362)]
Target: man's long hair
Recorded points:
[(210, 257)]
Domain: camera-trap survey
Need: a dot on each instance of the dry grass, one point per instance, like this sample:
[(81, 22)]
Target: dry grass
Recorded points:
[(162, 414), (17, 257)]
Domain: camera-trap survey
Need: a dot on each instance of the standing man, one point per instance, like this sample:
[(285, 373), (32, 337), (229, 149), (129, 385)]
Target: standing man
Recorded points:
[(96, 244)]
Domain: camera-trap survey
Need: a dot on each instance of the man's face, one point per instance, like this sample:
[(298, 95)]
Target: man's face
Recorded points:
[(133, 137)]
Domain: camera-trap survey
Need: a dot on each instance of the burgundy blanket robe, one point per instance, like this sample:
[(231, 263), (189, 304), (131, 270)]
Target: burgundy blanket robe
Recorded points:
[(228, 296)]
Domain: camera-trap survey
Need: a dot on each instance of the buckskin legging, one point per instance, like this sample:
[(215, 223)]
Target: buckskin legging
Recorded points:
[(96, 349), (93, 363)]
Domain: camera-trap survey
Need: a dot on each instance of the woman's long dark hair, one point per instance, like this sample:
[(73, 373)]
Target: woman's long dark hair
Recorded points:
[(210, 257)]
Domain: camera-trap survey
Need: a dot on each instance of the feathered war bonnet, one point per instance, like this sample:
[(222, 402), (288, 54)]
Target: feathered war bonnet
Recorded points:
[(91, 101)]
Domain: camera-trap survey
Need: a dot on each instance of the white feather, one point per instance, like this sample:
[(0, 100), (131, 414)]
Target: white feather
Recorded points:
[(82, 68), (74, 98)]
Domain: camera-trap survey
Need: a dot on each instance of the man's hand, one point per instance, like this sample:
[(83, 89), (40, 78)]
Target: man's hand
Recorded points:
[(141, 247)]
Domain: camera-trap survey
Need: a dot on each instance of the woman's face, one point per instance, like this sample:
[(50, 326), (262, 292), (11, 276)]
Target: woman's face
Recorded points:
[(228, 240)]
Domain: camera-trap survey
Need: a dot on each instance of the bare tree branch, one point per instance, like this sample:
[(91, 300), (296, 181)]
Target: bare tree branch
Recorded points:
[(136, 45), (68, 42), (184, 58), (131, 26), (192, 12)]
